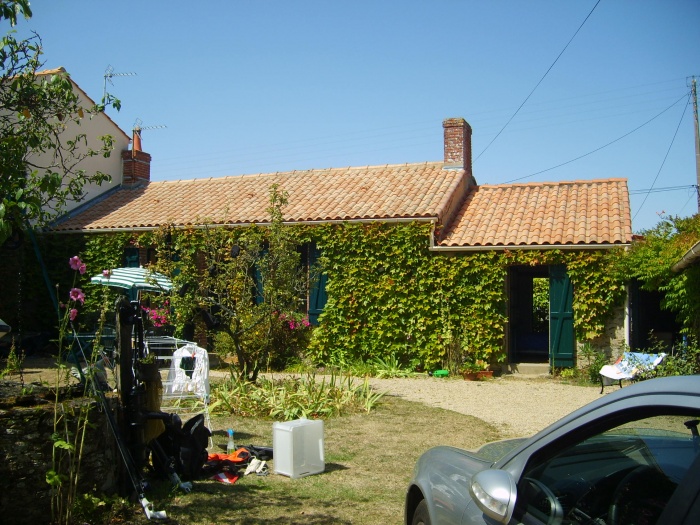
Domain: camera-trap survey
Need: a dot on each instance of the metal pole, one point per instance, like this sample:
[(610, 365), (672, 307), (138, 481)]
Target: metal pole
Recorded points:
[(697, 138)]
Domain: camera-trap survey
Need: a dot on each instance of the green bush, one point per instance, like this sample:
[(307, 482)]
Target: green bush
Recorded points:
[(684, 361), (592, 359)]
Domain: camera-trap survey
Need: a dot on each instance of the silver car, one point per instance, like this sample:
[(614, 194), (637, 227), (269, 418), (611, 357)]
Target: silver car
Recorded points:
[(630, 457)]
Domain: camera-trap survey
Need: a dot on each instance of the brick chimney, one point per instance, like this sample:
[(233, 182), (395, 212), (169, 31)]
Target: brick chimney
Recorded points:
[(136, 164), (458, 144), (458, 157)]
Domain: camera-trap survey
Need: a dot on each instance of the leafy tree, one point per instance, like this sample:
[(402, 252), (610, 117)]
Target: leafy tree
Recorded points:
[(250, 292), (41, 146)]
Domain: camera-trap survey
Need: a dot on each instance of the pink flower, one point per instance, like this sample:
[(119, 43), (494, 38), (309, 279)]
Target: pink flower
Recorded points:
[(73, 314), (75, 263), (76, 294), (82, 268), (106, 273)]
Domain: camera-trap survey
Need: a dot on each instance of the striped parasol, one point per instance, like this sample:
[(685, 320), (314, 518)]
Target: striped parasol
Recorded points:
[(134, 279)]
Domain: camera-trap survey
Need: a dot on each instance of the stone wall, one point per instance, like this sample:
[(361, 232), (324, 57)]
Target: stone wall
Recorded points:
[(26, 426)]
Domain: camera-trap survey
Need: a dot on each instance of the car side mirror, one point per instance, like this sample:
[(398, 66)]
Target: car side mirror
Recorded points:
[(494, 492)]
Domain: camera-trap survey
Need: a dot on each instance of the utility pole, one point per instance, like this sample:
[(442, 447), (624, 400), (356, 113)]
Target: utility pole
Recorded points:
[(697, 138)]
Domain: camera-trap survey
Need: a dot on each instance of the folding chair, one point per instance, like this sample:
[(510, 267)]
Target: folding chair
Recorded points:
[(628, 366)]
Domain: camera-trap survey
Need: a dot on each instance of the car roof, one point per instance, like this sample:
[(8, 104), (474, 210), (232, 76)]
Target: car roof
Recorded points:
[(682, 391)]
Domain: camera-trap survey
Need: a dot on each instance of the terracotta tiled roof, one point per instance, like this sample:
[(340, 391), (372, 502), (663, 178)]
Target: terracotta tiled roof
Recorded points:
[(551, 213), (405, 191)]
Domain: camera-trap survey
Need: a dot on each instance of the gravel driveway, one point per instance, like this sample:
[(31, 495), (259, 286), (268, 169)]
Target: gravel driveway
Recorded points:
[(516, 407)]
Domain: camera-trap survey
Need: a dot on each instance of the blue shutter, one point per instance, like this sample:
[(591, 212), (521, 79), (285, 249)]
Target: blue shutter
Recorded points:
[(561, 318), (317, 293)]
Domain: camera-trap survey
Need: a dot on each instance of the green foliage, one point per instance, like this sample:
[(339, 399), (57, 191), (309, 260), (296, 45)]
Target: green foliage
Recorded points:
[(10, 9), (41, 146), (540, 305), (390, 368), (650, 261), (682, 360), (13, 363), (592, 360), (389, 296), (292, 397), (89, 508), (253, 287)]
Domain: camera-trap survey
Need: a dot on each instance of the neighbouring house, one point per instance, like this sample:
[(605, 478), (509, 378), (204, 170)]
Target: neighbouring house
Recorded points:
[(463, 218), (93, 127)]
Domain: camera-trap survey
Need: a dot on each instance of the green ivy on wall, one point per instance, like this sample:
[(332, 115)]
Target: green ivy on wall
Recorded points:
[(388, 294)]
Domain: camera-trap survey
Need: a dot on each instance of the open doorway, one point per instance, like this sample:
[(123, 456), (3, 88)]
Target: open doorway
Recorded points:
[(529, 314), (540, 315)]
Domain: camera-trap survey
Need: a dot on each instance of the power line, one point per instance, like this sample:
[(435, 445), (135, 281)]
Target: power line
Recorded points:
[(675, 134), (601, 147), (538, 84), (661, 190)]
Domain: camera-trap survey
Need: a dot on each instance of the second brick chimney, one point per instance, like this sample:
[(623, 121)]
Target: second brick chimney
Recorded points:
[(136, 164)]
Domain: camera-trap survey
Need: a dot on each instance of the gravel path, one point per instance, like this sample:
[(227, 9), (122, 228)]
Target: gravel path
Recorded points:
[(516, 407)]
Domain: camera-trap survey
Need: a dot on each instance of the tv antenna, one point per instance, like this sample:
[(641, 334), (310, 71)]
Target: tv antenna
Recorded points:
[(138, 128), (109, 74)]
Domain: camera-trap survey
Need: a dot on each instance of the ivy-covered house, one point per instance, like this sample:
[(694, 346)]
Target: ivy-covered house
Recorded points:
[(419, 261)]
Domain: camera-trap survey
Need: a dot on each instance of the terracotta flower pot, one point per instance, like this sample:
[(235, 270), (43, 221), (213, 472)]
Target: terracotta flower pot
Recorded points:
[(476, 376), (148, 371)]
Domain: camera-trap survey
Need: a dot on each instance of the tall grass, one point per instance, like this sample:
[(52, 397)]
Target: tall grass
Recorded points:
[(293, 397)]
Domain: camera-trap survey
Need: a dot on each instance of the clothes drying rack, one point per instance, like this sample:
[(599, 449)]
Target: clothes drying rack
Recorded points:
[(184, 369)]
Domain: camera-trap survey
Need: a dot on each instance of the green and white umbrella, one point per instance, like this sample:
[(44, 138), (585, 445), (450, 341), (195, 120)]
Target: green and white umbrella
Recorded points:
[(134, 279)]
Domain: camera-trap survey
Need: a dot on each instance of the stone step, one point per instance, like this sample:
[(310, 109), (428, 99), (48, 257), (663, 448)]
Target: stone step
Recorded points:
[(528, 369)]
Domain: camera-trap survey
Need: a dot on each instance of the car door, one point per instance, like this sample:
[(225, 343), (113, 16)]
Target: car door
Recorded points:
[(624, 473)]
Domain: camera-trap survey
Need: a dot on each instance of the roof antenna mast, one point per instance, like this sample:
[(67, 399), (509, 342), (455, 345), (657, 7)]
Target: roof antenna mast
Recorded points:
[(136, 144), (109, 73)]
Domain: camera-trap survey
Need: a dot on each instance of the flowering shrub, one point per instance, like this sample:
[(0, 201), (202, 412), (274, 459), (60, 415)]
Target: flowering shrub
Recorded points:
[(68, 432), (159, 315), (293, 322)]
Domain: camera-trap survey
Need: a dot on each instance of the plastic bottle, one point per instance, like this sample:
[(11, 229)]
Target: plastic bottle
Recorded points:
[(230, 447)]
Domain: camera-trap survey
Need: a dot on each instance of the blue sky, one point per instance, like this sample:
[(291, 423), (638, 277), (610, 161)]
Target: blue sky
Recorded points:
[(263, 86)]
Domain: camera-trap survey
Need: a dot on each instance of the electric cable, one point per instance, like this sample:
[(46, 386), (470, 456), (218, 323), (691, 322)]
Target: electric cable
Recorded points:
[(538, 83), (601, 147), (663, 162)]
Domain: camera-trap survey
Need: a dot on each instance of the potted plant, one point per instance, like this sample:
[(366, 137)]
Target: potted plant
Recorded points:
[(148, 368), (475, 367)]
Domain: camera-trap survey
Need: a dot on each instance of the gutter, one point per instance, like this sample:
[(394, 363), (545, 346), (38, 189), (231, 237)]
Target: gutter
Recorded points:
[(518, 247), (690, 257), (432, 247), (241, 225)]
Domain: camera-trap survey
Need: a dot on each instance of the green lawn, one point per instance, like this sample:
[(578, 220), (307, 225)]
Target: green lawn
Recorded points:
[(369, 460)]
